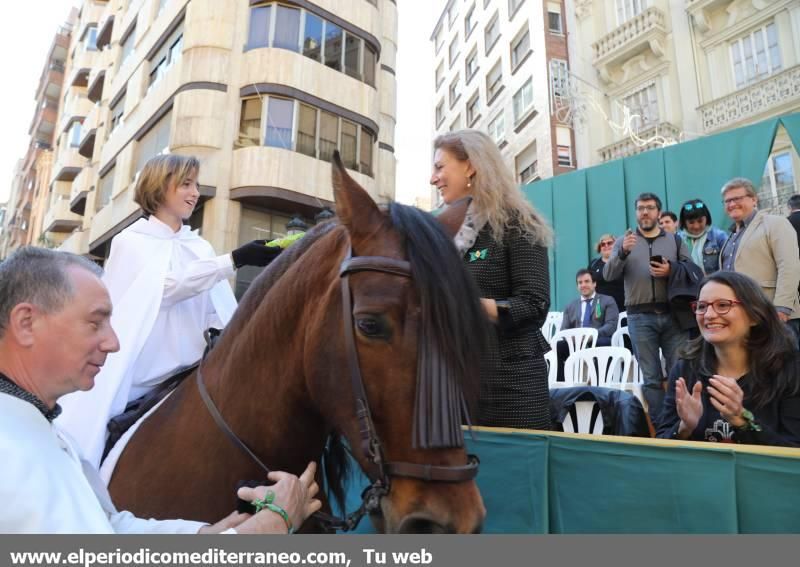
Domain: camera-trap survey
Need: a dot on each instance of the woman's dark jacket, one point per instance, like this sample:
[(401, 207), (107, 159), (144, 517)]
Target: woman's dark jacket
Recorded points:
[(614, 288)]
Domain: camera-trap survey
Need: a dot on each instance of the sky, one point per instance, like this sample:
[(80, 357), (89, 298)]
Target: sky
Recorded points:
[(26, 37)]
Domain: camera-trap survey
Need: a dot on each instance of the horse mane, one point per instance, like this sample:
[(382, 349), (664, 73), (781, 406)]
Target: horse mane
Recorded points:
[(453, 333)]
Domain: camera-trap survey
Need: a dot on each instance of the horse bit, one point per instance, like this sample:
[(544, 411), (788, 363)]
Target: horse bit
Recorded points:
[(370, 442)]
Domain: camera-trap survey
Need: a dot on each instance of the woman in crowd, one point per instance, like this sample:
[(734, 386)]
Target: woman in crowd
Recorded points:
[(167, 287), (503, 242), (739, 382), (704, 240), (615, 288)]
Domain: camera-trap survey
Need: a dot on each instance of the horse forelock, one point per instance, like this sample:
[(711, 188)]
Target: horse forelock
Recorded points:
[(453, 329)]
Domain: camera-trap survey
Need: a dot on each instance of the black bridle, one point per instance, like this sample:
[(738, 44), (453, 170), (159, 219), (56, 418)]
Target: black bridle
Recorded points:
[(381, 471)]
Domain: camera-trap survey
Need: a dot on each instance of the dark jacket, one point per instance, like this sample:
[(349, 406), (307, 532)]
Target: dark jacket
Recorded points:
[(514, 390), (779, 420), (605, 323), (715, 240), (612, 288), (622, 412), (794, 218)]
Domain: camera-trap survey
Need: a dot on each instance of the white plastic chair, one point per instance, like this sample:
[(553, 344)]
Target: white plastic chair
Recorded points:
[(579, 419), (623, 316), (607, 367), (552, 370), (617, 339), (577, 339), (552, 324)]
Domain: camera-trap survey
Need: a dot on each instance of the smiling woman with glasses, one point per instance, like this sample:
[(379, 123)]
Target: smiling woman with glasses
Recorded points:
[(704, 240), (616, 288), (739, 382)]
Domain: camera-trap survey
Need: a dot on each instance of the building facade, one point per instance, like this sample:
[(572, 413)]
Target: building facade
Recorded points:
[(493, 65), (653, 72), (25, 222), (261, 92)]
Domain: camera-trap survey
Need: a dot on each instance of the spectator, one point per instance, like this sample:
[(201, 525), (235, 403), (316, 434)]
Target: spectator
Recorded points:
[(615, 289), (704, 240), (503, 243), (764, 247), (794, 214), (643, 260), (668, 221), (55, 335), (739, 382)]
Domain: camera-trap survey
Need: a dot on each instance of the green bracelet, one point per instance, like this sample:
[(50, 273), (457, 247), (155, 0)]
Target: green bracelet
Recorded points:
[(282, 513)]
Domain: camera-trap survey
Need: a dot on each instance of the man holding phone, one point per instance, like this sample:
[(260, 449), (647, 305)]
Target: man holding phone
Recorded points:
[(643, 259)]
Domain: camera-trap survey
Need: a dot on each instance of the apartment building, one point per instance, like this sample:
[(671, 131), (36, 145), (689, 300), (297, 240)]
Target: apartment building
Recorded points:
[(650, 72), (261, 92), (493, 65), (26, 221)]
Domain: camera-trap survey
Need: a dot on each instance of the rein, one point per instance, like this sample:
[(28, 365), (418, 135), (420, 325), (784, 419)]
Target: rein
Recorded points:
[(370, 442)]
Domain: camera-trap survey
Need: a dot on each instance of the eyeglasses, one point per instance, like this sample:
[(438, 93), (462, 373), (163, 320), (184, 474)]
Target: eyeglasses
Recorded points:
[(732, 200), (606, 243), (643, 208), (692, 206), (721, 306)]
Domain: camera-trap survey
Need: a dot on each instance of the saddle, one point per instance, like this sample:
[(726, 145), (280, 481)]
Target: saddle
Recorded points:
[(135, 410)]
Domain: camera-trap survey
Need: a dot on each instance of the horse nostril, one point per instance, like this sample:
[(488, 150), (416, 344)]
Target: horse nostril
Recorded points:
[(422, 524)]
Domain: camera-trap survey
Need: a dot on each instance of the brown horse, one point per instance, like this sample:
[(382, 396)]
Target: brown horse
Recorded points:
[(280, 377)]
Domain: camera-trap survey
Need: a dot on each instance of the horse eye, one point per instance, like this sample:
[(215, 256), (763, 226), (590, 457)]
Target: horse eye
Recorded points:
[(371, 327)]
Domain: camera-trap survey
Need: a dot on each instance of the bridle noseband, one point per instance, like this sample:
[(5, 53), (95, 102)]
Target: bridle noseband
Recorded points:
[(370, 442)]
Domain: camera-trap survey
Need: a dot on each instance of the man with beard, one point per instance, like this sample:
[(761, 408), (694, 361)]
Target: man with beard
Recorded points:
[(643, 259)]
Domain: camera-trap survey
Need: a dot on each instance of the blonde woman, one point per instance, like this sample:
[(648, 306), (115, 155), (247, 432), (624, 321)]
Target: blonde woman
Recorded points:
[(167, 286), (504, 243)]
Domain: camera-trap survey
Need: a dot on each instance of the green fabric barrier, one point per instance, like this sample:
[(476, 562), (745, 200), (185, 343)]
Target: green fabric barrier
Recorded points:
[(698, 169), (543, 483), (792, 125), (606, 203), (571, 234), (644, 173), (541, 195)]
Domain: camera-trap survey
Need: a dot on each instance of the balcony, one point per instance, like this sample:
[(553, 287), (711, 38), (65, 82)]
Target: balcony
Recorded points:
[(105, 29), (51, 80), (44, 122), (645, 32), (655, 136), (80, 189), (700, 10), (83, 63), (77, 243), (59, 218), (77, 107), (68, 165), (771, 96)]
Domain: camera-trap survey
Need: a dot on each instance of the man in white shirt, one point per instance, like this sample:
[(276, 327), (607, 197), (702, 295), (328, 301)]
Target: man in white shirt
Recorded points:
[(55, 334)]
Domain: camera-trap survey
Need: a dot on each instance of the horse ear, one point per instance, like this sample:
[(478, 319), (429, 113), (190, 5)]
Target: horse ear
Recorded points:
[(453, 216), (354, 207)]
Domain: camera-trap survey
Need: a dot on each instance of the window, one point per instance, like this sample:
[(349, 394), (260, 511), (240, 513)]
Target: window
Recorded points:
[(280, 117), (260, 19), (492, 33), (452, 12), (75, 135), (105, 187), (328, 135), (161, 5), (471, 64), (473, 108), (307, 130), (453, 50), (439, 74), (454, 91), (494, 81), (559, 78), (116, 111), (370, 63), (348, 148), (352, 56), (166, 56), (91, 38), (627, 9), (333, 46), (756, 55), (287, 28), (520, 47), (250, 123), (554, 17), (778, 183), (643, 106), (127, 45), (469, 21), (367, 144), (456, 124), (564, 146), (523, 101), (153, 143), (312, 37), (513, 6), (497, 128), (527, 165), (438, 39), (439, 112)]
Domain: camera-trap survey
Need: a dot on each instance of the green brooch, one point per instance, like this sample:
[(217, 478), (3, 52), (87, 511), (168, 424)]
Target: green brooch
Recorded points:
[(478, 255)]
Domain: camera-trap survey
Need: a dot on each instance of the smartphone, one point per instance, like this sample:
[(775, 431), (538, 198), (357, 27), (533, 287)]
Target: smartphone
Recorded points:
[(657, 258), (628, 232)]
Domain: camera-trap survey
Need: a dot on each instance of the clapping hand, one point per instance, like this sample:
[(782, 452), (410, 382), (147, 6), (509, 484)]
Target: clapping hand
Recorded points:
[(689, 407), (726, 397)]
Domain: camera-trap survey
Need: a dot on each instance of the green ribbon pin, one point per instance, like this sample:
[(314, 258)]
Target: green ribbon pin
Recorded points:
[(478, 255)]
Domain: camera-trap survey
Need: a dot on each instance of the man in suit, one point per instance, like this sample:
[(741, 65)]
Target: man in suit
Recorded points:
[(764, 247), (794, 214)]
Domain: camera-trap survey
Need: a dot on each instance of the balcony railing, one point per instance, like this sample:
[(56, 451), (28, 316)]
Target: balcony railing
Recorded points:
[(753, 100), (59, 218), (626, 147), (647, 29)]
